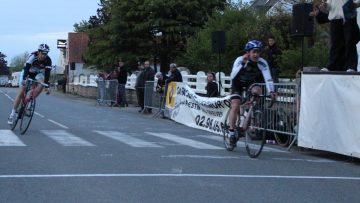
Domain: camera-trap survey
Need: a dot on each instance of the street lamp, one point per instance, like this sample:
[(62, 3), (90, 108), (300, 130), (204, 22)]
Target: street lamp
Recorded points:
[(157, 35)]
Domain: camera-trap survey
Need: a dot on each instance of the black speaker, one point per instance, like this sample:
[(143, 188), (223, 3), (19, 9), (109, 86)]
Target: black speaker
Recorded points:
[(302, 23), (218, 41), (72, 66)]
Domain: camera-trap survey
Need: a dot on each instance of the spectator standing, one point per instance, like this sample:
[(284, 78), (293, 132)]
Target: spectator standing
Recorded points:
[(212, 89), (160, 85), (147, 74), (122, 75), (273, 52), (344, 32), (175, 75)]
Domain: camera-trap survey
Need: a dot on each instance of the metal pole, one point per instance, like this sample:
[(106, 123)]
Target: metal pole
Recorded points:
[(219, 74)]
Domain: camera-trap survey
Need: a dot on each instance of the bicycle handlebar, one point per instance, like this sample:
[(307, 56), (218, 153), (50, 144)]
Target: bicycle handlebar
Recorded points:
[(35, 81)]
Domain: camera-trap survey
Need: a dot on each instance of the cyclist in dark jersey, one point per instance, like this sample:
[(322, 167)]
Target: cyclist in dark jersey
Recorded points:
[(37, 67), (247, 70)]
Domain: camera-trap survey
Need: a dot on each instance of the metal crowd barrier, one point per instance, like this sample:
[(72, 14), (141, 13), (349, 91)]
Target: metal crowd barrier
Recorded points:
[(282, 117), (154, 99), (107, 92)]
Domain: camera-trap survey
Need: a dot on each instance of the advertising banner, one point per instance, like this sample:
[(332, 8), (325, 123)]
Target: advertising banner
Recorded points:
[(185, 106)]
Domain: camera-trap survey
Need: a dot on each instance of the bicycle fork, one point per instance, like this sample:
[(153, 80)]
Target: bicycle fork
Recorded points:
[(246, 121)]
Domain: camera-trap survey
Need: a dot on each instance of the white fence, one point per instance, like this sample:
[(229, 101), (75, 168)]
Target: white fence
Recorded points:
[(197, 82)]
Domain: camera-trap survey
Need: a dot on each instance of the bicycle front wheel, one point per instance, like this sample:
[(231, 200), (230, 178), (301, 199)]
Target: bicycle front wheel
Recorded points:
[(27, 115), (255, 133)]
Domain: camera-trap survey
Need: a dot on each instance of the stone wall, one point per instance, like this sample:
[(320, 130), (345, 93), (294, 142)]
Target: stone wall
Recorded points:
[(92, 92)]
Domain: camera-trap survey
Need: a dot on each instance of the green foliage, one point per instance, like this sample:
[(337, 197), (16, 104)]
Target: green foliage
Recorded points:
[(3, 62), (241, 24), (237, 25), (4, 70), (17, 63)]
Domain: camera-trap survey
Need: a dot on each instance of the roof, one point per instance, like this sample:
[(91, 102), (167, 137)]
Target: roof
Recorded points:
[(77, 45), (263, 4)]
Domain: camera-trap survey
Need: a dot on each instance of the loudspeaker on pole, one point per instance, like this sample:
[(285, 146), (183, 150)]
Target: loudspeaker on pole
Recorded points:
[(302, 22), (218, 41)]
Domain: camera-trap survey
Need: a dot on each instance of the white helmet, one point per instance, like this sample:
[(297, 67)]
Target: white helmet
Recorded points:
[(44, 48)]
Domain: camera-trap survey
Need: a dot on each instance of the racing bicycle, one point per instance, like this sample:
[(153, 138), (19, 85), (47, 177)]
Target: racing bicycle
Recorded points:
[(26, 108), (251, 122)]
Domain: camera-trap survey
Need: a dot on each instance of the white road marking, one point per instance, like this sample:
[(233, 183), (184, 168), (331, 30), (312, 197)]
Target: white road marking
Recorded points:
[(184, 141), (8, 138), (40, 115), (129, 140), (203, 157), (183, 175), (66, 139), (241, 144), (58, 124), (305, 160)]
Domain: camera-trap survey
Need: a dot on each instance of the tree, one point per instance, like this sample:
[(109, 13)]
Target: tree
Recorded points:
[(129, 27), (4, 70), (17, 63)]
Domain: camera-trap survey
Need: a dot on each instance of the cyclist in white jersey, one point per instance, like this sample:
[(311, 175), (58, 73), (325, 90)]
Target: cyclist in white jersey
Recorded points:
[(247, 70), (38, 67)]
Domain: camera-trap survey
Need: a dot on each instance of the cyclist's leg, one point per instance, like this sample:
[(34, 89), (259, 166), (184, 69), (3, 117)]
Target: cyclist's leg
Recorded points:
[(17, 100), (235, 107), (40, 78)]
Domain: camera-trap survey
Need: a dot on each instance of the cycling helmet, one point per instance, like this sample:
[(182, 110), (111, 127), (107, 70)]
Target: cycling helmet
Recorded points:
[(44, 48), (253, 44)]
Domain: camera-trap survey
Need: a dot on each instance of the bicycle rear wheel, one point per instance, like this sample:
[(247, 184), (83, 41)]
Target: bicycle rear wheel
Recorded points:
[(226, 141), (255, 133), (27, 115), (283, 123)]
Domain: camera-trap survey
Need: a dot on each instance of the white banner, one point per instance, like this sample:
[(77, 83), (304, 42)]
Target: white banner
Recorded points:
[(330, 113), (184, 106)]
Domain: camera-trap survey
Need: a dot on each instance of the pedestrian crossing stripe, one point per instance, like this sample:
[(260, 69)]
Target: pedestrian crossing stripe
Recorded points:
[(130, 140), (9, 138), (66, 139), (184, 141)]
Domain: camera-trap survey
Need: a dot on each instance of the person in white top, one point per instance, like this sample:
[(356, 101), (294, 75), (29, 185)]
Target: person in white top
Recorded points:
[(344, 32), (247, 70)]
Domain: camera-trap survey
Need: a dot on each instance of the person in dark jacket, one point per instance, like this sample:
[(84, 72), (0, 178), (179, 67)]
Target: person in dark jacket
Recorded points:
[(212, 89), (147, 74), (122, 75), (175, 74), (273, 52)]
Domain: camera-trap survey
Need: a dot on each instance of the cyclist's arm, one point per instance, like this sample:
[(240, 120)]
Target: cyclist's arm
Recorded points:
[(265, 70), (238, 64), (47, 74), (26, 70)]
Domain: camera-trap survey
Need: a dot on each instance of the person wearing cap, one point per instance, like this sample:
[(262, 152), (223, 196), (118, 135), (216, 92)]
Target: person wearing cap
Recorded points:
[(37, 67), (247, 70), (175, 75)]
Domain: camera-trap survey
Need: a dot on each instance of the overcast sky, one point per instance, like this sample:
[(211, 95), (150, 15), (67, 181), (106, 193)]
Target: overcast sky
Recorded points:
[(26, 24)]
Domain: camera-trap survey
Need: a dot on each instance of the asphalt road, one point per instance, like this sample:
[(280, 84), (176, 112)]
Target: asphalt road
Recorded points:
[(76, 151)]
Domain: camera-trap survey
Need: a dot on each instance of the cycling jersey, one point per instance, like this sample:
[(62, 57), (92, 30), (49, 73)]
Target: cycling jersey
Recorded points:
[(244, 75), (34, 66)]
